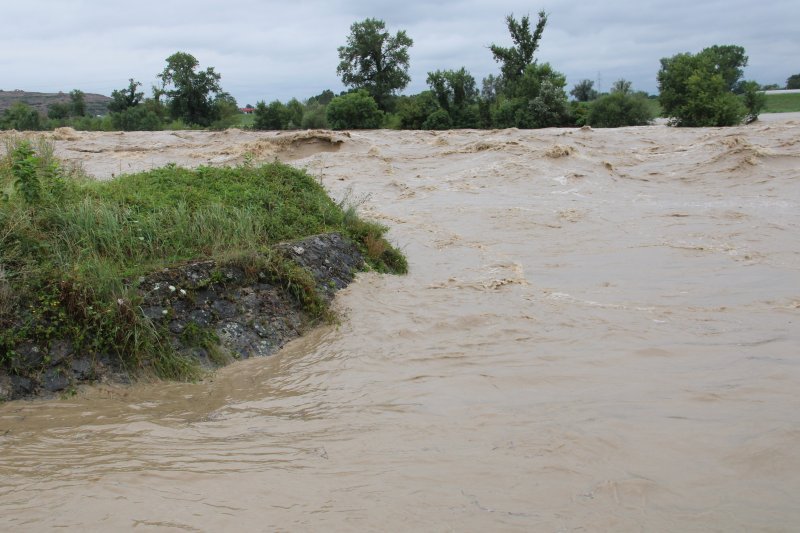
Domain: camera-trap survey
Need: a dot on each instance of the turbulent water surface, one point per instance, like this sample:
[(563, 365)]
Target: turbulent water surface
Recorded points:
[(599, 332)]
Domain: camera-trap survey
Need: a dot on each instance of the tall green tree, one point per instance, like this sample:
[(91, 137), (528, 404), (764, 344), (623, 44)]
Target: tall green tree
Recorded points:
[(456, 91), (131, 112), (515, 59), (621, 86), (793, 81), (491, 88), (728, 61), (122, 99), (77, 103), (584, 91), (531, 95), (375, 60), (190, 93), (295, 112), (323, 98)]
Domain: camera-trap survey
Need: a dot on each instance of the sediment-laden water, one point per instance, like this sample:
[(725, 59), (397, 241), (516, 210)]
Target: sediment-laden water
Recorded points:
[(600, 331)]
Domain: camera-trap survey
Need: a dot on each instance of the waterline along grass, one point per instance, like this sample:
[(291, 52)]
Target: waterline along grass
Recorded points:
[(73, 249)]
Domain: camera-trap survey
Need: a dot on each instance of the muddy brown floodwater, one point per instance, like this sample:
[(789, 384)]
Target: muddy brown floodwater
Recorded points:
[(600, 332)]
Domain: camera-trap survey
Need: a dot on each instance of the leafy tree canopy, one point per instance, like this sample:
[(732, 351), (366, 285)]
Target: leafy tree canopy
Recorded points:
[(122, 99), (728, 61), (274, 116), (622, 107), (375, 60), (491, 88), (515, 59), (415, 110), (793, 81), (323, 98), (77, 103), (584, 91), (540, 101), (621, 86), (191, 93), (356, 110), (58, 111), (696, 90), (22, 117), (454, 89)]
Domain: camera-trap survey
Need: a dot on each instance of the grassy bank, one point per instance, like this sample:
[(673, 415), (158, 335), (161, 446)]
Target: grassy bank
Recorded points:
[(72, 250), (782, 103)]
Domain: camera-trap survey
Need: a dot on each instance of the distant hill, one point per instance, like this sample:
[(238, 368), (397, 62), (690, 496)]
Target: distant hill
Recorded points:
[(96, 104)]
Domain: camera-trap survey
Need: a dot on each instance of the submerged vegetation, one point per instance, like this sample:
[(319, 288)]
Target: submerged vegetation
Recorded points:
[(73, 250)]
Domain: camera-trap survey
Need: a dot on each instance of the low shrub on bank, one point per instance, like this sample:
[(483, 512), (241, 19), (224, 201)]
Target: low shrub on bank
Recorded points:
[(72, 250)]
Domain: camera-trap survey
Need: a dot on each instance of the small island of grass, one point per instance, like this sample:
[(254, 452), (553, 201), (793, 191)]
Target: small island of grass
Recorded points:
[(149, 273)]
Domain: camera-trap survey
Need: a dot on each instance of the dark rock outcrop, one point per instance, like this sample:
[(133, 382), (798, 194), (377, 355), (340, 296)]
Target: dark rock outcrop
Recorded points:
[(213, 313)]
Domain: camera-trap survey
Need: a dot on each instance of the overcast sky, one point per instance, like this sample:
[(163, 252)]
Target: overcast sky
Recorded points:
[(268, 50)]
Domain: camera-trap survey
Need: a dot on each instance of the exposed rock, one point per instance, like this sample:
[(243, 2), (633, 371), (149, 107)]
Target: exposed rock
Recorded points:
[(331, 259), (201, 317), (21, 387), (197, 304), (224, 309), (59, 350), (54, 380), (29, 355), (82, 369), (6, 389)]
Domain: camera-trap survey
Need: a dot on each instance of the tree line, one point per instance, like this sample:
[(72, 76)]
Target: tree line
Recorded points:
[(183, 97), (703, 89)]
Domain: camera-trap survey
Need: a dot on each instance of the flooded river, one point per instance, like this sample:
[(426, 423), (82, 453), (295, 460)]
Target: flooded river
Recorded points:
[(600, 331)]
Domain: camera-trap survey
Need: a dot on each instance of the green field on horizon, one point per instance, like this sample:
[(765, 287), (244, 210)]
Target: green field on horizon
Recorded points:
[(782, 103)]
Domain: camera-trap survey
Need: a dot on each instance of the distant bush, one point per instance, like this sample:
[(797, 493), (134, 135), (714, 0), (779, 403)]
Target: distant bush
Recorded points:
[(136, 118), (753, 99), (274, 116), (579, 111), (438, 120), (356, 110), (414, 110), (620, 108), (456, 93), (697, 90), (294, 114), (21, 117), (583, 91), (537, 100), (314, 116), (58, 111)]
